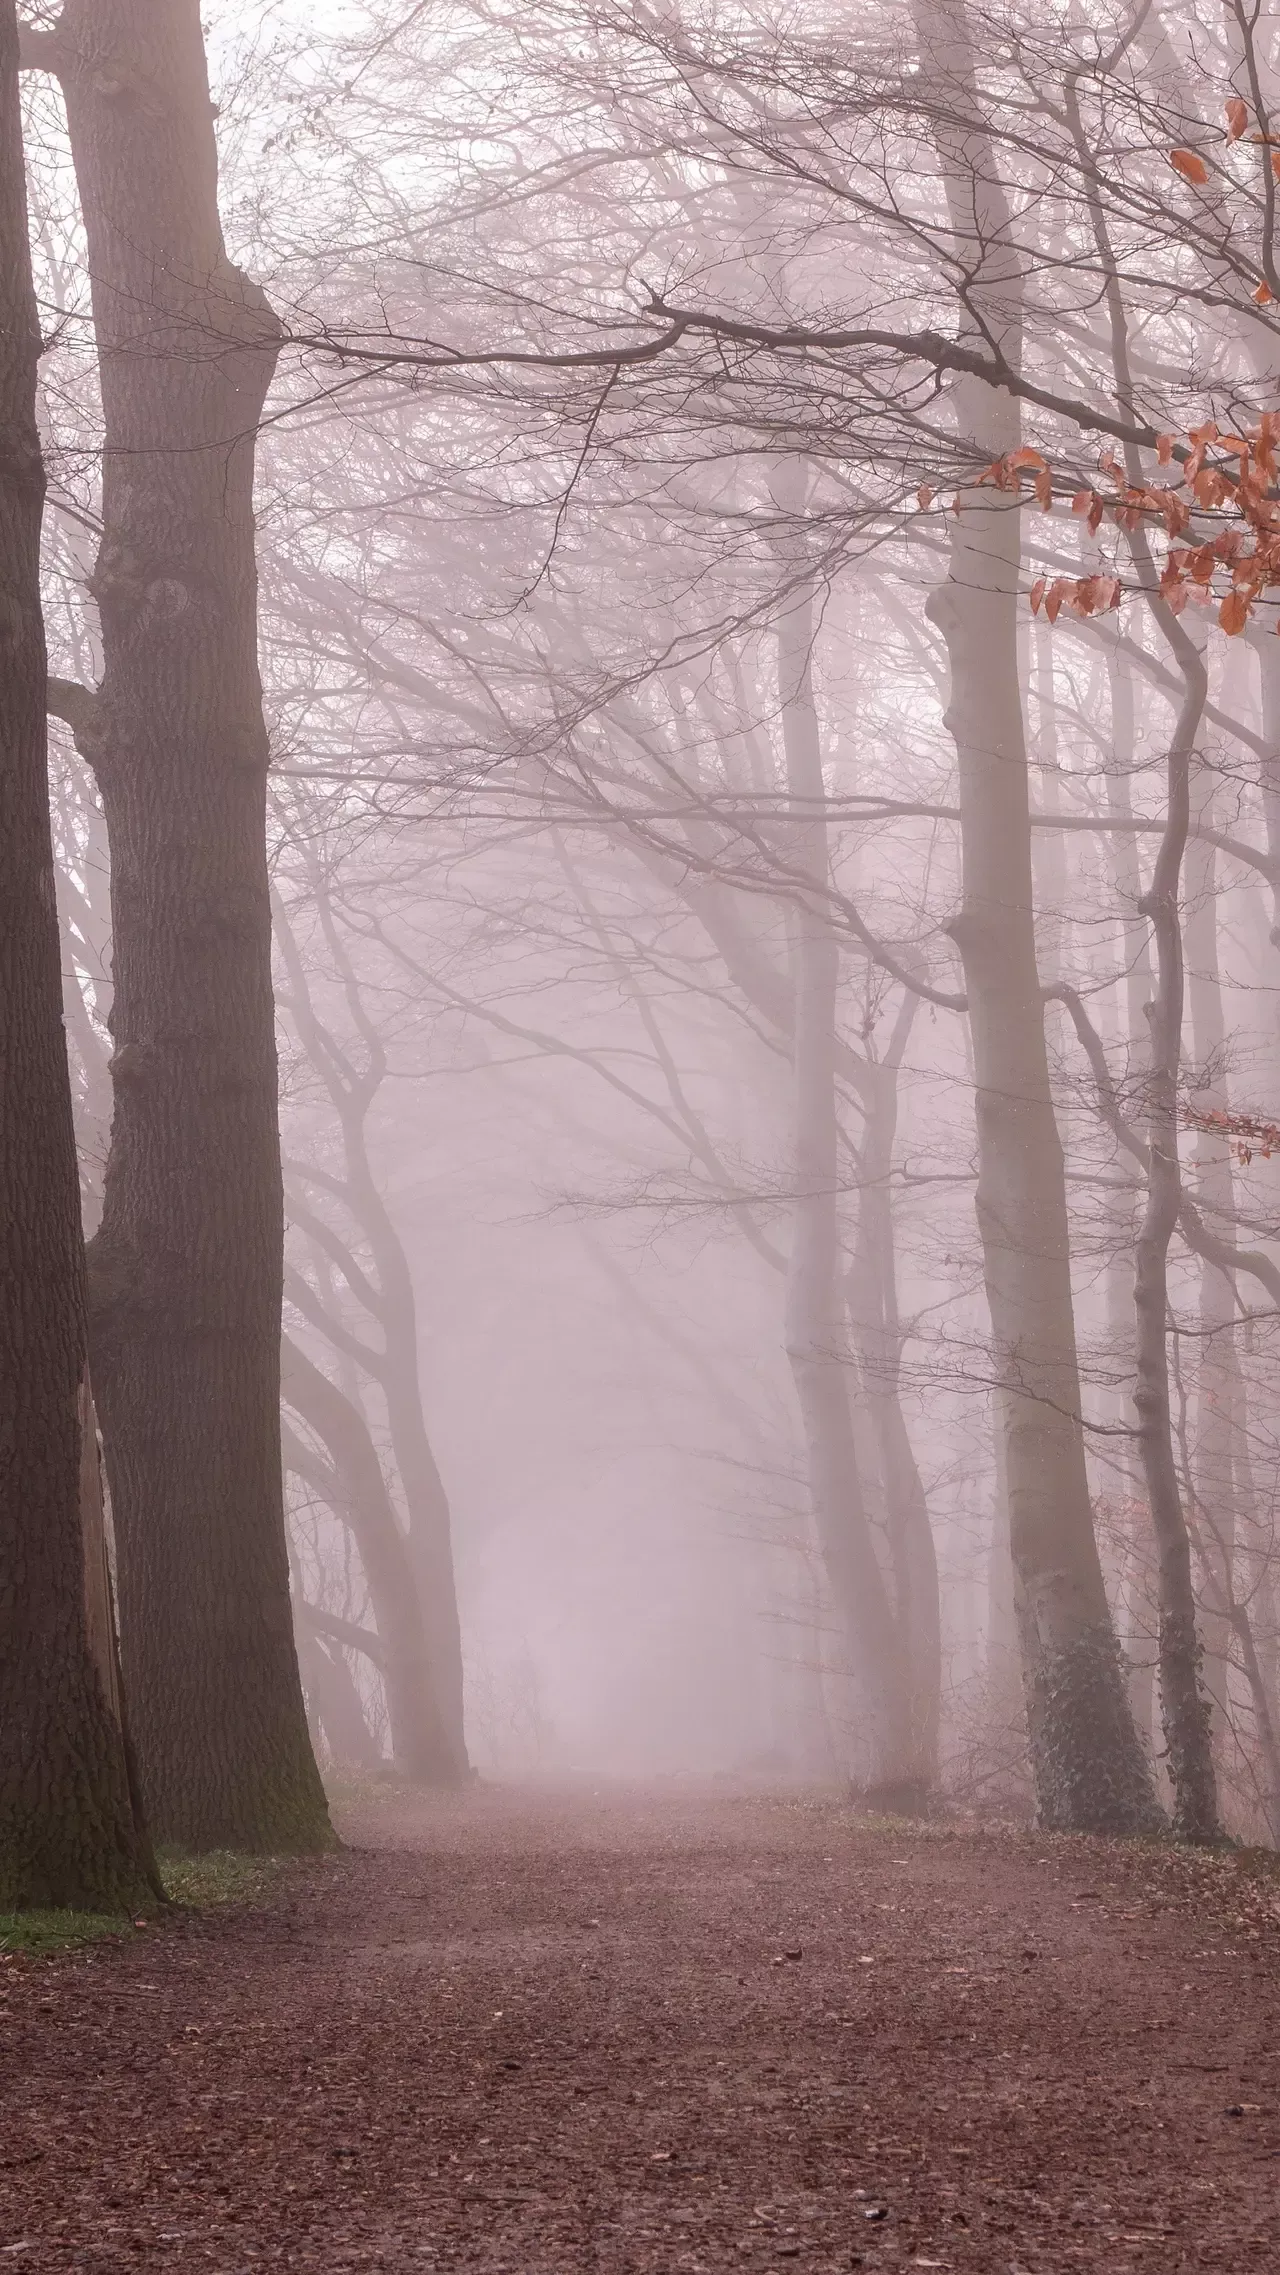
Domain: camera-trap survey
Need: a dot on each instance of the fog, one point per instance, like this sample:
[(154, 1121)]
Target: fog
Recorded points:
[(764, 537)]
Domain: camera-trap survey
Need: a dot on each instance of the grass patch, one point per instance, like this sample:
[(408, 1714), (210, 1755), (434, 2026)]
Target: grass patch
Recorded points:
[(223, 1876), (40, 1932), (194, 1883)]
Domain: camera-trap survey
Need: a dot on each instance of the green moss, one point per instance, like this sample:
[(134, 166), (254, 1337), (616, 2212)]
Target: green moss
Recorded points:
[(221, 1876), (39, 1932)]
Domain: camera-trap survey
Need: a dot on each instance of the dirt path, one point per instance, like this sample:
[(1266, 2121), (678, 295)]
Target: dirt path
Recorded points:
[(618, 2033)]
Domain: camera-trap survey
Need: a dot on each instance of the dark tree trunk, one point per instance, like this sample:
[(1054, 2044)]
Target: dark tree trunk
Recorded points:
[(185, 1285), (68, 1831)]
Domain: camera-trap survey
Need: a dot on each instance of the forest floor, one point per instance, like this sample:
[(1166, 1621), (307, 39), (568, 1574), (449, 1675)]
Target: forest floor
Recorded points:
[(657, 2032)]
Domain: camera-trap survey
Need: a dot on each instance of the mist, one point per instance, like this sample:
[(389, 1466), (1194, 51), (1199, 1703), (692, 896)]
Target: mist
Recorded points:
[(744, 972), (639, 1135)]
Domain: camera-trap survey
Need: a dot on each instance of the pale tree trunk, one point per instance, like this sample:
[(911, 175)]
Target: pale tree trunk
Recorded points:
[(186, 1266), (391, 1303), (815, 1341), (1090, 1771), (1212, 1479), (1257, 1613), (1004, 1681), (1049, 869), (1140, 1611), (358, 1494), (1268, 651), (872, 1289), (335, 1702), (1184, 1708), (69, 1830)]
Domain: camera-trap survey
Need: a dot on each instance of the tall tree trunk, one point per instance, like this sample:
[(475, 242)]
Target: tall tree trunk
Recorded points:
[(815, 1339), (1090, 1772), (335, 1702), (186, 1266), (1212, 1480), (1139, 1615), (1184, 1708), (419, 1740), (69, 1834), (393, 1306), (873, 1307)]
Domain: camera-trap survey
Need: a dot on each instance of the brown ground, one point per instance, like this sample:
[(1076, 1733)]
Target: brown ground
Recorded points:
[(543, 2034)]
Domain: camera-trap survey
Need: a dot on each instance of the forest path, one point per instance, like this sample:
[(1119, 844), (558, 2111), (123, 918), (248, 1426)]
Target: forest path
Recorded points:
[(605, 2031)]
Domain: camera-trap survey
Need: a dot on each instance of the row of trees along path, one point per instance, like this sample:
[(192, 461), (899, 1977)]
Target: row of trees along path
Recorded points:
[(178, 1307)]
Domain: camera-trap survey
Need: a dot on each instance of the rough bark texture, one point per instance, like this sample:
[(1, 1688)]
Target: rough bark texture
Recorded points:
[(186, 1267), (68, 1833), (1090, 1773)]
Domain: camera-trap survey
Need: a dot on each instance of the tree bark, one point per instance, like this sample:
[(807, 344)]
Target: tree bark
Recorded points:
[(873, 1306), (69, 1833), (1090, 1772), (335, 1700), (419, 1740), (814, 1338), (1212, 1481), (393, 1306), (186, 1266), (1183, 1706)]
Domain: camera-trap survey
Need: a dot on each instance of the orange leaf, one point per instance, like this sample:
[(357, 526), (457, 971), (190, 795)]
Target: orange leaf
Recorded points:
[(1164, 449), (1037, 595), (1275, 163), (1264, 295), (1191, 167), (1237, 118), (1025, 457), (1234, 613), (924, 497), (1096, 511), (1044, 489)]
